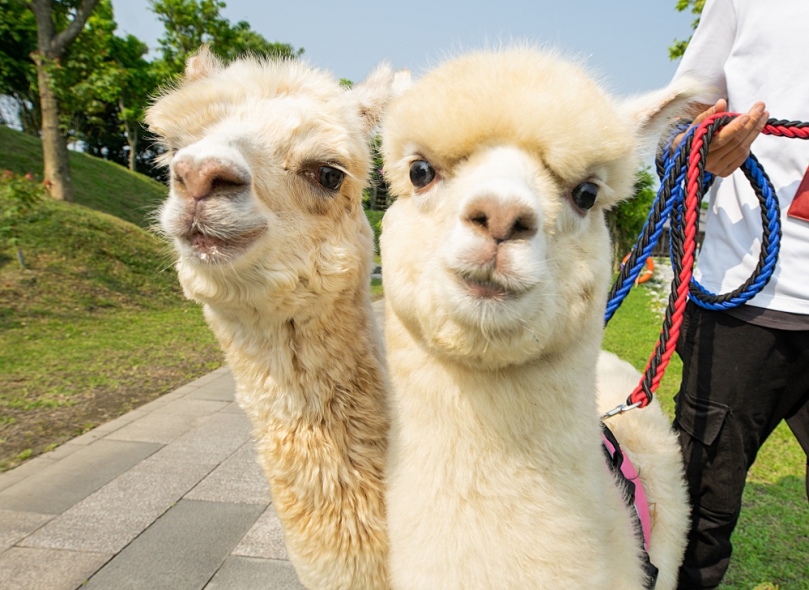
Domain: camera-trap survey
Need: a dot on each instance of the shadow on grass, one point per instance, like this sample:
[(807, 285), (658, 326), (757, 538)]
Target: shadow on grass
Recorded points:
[(771, 541)]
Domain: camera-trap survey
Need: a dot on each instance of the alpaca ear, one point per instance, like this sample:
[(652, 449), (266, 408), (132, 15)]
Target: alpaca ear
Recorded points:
[(372, 95), (202, 64), (649, 114)]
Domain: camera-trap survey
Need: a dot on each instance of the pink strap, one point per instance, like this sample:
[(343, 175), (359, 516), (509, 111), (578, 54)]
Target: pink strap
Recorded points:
[(641, 503)]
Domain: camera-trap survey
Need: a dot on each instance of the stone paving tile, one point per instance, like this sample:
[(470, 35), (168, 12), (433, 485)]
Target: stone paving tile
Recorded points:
[(17, 525), (233, 408), (47, 569), (250, 573), (181, 551), (9, 478), (183, 391), (156, 428), (192, 407), (62, 451), (265, 538), (64, 483), (100, 432), (379, 313), (238, 479), (213, 441), (220, 389), (108, 520), (212, 376), (176, 464), (16, 475)]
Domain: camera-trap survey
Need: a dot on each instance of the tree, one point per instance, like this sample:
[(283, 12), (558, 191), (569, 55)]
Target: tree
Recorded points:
[(192, 23), (18, 76), (626, 220), (88, 78), (102, 82), (136, 82), (99, 84), (51, 46), (677, 50)]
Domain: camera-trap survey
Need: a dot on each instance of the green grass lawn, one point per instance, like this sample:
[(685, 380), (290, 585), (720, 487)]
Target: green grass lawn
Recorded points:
[(97, 184), (96, 326), (771, 541)]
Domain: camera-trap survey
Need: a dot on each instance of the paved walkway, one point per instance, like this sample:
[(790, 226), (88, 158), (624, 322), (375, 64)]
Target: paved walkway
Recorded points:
[(168, 496)]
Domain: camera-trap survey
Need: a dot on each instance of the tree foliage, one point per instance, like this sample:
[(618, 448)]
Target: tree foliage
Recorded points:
[(677, 49), (103, 82), (18, 76), (626, 220), (192, 23)]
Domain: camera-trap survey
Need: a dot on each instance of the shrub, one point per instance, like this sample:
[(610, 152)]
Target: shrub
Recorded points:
[(18, 197), (375, 219)]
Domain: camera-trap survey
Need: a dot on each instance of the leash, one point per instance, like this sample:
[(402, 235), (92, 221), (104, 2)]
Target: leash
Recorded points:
[(683, 184)]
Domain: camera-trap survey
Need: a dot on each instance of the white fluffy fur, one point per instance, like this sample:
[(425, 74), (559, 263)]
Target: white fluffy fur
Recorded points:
[(282, 263), (496, 474)]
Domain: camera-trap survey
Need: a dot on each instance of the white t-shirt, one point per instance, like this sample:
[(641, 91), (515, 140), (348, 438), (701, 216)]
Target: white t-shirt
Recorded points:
[(750, 51)]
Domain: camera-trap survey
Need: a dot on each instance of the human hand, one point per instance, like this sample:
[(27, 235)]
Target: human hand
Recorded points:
[(731, 146)]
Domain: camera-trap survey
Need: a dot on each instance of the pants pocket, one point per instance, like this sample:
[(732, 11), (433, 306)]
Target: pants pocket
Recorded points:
[(713, 453), (701, 418)]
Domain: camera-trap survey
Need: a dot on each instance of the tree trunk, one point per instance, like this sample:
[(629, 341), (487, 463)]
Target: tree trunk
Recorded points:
[(50, 47), (133, 150), (54, 146), (131, 132)]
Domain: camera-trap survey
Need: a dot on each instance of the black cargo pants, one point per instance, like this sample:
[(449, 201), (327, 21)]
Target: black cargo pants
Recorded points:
[(739, 381)]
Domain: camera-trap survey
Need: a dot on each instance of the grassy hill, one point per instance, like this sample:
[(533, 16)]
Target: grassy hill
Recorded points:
[(98, 184), (97, 324)]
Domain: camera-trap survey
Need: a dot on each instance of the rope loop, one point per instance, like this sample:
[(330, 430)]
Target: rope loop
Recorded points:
[(683, 183)]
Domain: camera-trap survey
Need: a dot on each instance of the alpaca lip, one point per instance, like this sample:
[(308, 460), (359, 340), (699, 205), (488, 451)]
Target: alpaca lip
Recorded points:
[(208, 248), (486, 289), (205, 243)]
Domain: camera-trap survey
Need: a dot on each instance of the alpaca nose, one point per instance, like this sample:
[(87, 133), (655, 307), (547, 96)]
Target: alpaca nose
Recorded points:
[(499, 220), (200, 178)]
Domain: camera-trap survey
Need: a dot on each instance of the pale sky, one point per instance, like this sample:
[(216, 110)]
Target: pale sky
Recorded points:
[(623, 41)]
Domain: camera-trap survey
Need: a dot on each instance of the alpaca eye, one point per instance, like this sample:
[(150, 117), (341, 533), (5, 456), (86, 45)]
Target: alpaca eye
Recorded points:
[(421, 173), (584, 195), (330, 178)]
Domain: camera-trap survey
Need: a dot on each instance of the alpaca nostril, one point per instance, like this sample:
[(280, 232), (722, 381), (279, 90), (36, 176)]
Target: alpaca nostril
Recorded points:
[(480, 220), (524, 227), (219, 183)]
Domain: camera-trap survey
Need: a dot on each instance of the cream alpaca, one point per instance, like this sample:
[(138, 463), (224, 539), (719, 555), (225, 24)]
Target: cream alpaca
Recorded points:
[(496, 265), (268, 161)]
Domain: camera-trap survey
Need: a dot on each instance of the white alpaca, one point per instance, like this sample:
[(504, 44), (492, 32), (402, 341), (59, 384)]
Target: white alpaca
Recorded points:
[(496, 262), (268, 161)]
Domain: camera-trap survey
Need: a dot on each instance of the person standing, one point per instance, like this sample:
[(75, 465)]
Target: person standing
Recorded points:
[(745, 369)]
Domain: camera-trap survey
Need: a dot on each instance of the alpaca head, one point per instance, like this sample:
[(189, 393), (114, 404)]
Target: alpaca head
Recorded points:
[(267, 160), (496, 251)]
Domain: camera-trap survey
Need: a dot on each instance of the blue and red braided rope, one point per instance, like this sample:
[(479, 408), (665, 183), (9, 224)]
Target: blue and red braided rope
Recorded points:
[(683, 184)]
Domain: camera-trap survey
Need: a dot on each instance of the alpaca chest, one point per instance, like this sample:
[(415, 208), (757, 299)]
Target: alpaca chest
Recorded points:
[(462, 516)]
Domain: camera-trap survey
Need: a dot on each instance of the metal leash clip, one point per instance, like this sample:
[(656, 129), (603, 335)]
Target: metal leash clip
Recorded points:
[(620, 410)]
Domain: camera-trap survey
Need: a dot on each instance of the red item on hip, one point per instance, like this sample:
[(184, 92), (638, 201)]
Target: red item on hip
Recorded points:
[(799, 209)]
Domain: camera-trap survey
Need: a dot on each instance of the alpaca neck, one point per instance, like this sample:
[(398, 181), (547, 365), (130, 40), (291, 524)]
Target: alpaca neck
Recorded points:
[(314, 388), (538, 399), (300, 361)]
